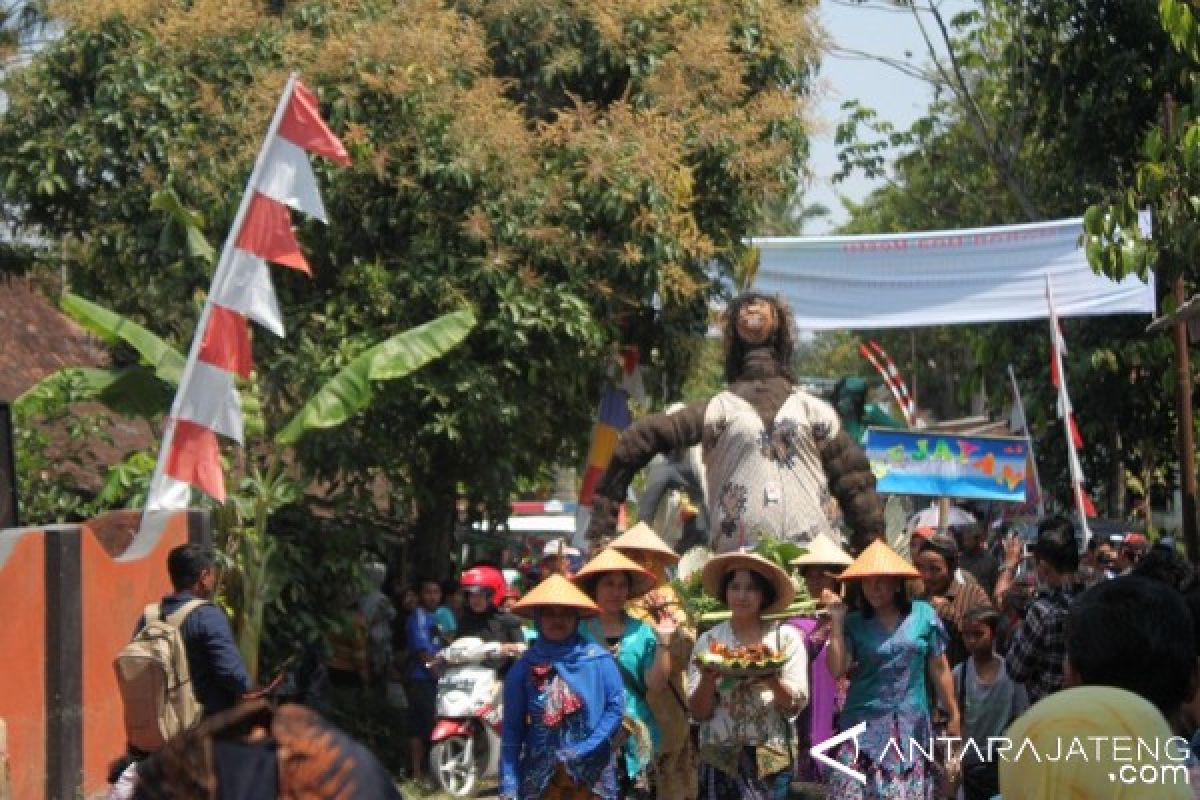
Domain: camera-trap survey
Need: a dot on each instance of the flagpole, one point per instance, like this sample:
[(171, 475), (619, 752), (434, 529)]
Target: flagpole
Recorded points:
[(1037, 481), (219, 276), (1064, 400)]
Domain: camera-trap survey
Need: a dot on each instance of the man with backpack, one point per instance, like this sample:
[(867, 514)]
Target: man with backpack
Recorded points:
[(158, 686), (182, 664)]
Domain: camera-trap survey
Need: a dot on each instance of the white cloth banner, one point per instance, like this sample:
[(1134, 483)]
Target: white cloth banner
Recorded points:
[(942, 277)]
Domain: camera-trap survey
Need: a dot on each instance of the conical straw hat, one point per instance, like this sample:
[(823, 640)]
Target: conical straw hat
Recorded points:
[(879, 561), (823, 551), (719, 566), (555, 591), (642, 539), (640, 580)]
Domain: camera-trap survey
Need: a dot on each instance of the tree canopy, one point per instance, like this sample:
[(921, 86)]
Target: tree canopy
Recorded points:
[(558, 168), (1040, 106)]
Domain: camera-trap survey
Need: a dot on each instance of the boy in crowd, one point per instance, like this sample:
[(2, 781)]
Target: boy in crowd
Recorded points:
[(988, 700), (420, 685)]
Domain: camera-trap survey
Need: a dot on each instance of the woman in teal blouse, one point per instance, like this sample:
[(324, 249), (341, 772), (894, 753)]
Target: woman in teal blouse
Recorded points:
[(894, 644), (611, 579)]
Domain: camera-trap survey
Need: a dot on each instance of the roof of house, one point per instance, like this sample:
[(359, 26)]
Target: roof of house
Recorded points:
[(36, 339)]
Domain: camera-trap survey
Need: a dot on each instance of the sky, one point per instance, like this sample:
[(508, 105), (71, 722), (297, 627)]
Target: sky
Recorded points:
[(880, 28)]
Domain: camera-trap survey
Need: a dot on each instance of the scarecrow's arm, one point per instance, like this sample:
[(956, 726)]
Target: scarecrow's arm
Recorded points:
[(641, 441), (852, 482)]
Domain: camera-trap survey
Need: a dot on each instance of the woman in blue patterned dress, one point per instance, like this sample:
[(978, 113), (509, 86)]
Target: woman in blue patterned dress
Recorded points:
[(563, 703), (893, 644)]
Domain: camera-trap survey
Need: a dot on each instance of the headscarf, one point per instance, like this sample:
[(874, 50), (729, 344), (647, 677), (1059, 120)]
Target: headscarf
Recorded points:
[(1087, 714), (575, 662)]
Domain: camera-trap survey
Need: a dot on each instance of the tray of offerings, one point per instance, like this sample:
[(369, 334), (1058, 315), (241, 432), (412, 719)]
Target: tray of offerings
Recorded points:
[(742, 662)]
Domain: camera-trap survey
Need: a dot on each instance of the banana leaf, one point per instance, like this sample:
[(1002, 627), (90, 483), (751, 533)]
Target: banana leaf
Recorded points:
[(133, 391), (351, 390), (192, 223), (110, 326)]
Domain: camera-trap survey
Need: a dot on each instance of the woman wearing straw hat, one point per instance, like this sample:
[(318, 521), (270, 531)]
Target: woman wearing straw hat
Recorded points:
[(819, 567), (895, 643), (563, 703), (746, 743), (675, 762), (611, 580)]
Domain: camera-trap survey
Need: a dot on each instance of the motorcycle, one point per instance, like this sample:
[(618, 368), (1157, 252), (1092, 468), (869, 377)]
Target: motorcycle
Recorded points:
[(466, 737)]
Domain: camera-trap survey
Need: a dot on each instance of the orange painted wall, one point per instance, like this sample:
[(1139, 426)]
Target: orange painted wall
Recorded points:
[(114, 593), (23, 663)]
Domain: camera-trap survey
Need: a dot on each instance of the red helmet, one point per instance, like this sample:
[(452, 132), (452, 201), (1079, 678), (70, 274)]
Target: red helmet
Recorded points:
[(488, 578)]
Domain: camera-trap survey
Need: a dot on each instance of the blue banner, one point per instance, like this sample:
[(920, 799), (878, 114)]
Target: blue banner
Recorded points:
[(947, 465)]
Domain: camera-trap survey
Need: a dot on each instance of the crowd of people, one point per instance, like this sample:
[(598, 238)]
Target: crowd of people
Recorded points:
[(605, 694), (971, 641)]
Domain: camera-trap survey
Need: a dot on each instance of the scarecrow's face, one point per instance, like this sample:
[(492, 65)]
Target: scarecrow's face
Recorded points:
[(756, 322)]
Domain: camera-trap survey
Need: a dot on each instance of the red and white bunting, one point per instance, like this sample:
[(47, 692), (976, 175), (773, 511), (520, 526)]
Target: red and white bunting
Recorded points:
[(883, 364), (206, 403), (248, 290), (1066, 413)]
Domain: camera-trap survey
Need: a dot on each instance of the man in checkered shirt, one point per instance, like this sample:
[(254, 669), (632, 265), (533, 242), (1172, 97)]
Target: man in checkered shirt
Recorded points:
[(1039, 646)]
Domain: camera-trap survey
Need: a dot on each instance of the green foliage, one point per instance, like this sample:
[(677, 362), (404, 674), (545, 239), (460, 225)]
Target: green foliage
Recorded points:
[(551, 166), (166, 361), (350, 391), (1053, 93), (55, 444)]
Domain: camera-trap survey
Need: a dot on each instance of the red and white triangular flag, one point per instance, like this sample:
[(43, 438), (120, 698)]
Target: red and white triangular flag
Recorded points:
[(226, 342), (302, 125), (206, 403), (267, 233), (195, 459), (287, 176), (212, 401), (247, 289)]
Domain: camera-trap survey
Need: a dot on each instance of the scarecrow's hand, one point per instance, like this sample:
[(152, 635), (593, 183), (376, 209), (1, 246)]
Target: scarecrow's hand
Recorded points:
[(603, 522)]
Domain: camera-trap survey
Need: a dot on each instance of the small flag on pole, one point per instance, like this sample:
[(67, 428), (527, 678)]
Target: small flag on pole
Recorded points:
[(206, 403), (1066, 413)]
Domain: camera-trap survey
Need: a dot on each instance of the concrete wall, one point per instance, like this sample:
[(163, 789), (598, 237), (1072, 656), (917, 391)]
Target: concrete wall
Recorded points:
[(70, 596)]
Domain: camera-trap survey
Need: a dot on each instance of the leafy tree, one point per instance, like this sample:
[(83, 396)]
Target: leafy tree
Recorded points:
[(1042, 76), (552, 165)]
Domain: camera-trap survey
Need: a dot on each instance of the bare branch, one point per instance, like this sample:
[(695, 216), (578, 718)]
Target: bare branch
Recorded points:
[(899, 65)]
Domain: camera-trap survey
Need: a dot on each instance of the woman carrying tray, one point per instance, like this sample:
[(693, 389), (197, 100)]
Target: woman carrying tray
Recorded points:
[(642, 652), (746, 742), (894, 643)]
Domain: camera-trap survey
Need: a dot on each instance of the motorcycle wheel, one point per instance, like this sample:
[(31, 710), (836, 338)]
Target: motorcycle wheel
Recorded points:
[(455, 766)]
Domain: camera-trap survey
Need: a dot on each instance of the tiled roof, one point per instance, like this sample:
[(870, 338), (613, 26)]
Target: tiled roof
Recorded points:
[(36, 339)]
